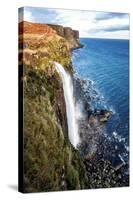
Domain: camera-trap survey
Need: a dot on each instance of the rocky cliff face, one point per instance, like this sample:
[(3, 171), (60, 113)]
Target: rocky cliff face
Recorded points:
[(50, 161), (72, 36), (47, 32), (35, 28)]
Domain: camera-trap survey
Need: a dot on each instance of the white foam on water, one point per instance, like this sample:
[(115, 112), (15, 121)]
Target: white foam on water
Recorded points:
[(118, 137), (121, 158)]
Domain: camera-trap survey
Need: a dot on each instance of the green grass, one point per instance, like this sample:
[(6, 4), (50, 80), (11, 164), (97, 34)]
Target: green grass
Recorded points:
[(57, 50), (47, 149)]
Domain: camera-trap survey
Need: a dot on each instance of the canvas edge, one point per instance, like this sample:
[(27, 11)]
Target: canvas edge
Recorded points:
[(20, 116)]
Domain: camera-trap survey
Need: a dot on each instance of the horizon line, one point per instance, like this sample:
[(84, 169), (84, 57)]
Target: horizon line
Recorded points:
[(105, 38)]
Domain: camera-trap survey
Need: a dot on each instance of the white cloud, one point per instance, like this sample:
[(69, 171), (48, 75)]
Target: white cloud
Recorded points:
[(87, 22), (28, 16), (88, 26), (113, 35)]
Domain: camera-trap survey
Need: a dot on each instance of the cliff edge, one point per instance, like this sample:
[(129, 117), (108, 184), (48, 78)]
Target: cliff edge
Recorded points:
[(50, 162), (72, 36), (47, 31)]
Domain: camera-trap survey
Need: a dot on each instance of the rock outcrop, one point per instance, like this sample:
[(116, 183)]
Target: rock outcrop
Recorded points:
[(71, 35)]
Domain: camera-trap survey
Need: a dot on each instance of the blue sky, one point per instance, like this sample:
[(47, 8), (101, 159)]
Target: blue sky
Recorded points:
[(89, 23)]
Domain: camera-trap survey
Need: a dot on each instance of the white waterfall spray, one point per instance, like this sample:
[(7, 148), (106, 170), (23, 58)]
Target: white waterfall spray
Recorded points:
[(70, 107)]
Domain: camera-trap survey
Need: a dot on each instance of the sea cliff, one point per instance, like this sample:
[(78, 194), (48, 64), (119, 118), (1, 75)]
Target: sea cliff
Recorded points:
[(51, 163), (72, 36)]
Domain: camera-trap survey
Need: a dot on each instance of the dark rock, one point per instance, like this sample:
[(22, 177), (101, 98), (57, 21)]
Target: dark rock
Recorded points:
[(76, 34), (72, 36), (103, 115)]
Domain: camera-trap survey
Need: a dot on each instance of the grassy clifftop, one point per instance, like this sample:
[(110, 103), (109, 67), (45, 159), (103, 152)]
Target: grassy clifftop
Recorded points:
[(50, 161)]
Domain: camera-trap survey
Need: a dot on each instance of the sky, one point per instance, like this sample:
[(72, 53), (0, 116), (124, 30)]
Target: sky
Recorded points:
[(91, 24)]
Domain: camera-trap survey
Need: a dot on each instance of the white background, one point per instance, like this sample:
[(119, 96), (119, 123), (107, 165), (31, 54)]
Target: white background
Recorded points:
[(9, 99)]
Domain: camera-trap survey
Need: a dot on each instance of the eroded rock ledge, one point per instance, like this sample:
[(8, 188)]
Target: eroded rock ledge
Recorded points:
[(72, 36)]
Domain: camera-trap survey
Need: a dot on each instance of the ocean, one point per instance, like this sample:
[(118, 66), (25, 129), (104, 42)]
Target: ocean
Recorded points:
[(106, 63)]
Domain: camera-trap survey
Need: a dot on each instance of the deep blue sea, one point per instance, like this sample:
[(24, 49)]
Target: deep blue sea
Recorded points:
[(106, 63)]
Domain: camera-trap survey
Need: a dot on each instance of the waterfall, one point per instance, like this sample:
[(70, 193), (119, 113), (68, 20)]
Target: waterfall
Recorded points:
[(70, 107)]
